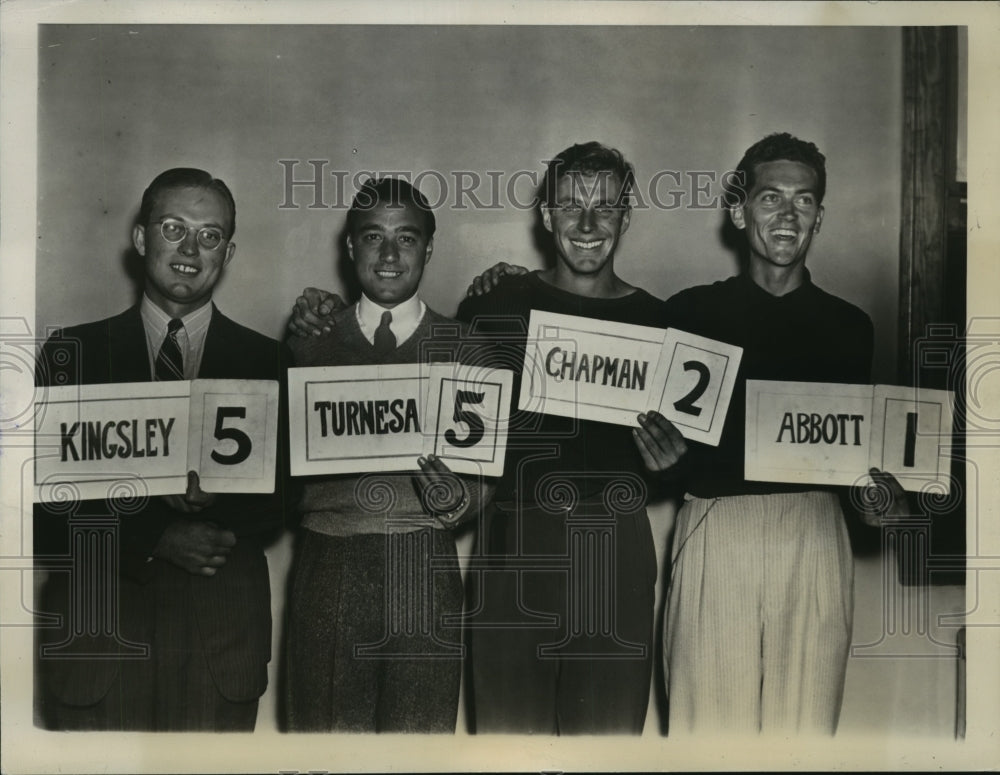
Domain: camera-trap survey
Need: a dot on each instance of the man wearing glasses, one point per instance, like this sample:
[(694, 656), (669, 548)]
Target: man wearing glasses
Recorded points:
[(193, 582)]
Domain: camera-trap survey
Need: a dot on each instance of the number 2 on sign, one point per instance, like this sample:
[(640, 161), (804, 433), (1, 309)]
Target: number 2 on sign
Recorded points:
[(686, 404)]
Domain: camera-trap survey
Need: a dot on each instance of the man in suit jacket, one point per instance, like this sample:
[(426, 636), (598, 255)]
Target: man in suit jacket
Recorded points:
[(193, 635)]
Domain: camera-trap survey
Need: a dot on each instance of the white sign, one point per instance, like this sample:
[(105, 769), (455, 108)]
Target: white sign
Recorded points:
[(143, 437), (349, 419), (467, 417), (827, 433), (590, 369), (237, 447), (354, 419), (611, 372), (911, 433), (698, 381)]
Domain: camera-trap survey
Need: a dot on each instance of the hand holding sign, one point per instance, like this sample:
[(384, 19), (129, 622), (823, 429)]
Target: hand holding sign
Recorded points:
[(442, 492), (883, 499), (193, 500), (659, 443)]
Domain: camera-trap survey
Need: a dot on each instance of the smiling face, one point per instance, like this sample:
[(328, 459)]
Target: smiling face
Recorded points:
[(389, 247), (586, 222), (781, 215), (180, 275)]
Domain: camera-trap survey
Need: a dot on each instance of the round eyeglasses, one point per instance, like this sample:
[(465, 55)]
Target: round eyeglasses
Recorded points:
[(208, 237)]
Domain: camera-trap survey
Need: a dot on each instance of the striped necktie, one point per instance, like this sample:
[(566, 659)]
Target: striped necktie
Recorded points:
[(169, 363), (385, 340)]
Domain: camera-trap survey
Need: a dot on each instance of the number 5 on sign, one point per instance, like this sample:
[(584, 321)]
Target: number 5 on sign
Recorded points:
[(698, 384), (467, 413), (234, 437)]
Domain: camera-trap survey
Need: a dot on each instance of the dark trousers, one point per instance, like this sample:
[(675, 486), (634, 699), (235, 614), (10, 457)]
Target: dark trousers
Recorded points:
[(367, 650), (562, 626), (171, 689)]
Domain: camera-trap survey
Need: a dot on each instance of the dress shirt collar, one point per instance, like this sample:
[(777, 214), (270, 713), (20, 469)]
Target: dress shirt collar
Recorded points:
[(191, 339), (406, 316)]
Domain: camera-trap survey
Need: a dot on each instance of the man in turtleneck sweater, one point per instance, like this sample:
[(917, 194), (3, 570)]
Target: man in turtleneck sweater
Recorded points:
[(351, 566)]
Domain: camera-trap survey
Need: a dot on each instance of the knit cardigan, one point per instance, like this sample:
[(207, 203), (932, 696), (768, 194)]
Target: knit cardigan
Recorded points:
[(356, 504)]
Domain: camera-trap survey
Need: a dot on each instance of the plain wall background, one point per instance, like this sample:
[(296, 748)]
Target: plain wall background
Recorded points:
[(119, 104)]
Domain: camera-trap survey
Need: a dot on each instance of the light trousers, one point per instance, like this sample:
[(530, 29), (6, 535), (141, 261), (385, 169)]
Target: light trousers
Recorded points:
[(759, 614)]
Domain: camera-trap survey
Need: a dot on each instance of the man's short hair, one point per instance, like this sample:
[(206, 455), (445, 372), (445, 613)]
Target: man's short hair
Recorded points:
[(395, 192), (186, 177), (588, 159), (780, 146)]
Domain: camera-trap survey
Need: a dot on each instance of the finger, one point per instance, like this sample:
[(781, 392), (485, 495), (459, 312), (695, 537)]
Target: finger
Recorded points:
[(497, 272), (314, 296), (207, 570), (215, 561), (226, 538), (332, 303), (426, 475), (438, 465), (642, 443), (477, 286), (664, 432), (193, 486), (890, 481), (305, 316)]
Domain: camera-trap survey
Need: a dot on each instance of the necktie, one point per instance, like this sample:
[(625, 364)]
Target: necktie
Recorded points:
[(169, 363), (385, 340)]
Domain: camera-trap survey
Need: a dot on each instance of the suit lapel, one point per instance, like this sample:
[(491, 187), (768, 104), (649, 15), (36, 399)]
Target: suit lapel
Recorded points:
[(215, 360), (127, 351)]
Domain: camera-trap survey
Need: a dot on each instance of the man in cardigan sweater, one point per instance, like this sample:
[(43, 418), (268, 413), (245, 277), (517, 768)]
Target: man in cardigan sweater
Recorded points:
[(363, 568)]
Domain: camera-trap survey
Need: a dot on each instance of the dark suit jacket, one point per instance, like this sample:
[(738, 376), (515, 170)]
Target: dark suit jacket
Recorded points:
[(232, 608)]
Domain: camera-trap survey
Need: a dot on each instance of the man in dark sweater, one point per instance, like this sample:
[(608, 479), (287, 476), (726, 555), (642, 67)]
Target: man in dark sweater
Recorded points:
[(368, 650), (556, 648)]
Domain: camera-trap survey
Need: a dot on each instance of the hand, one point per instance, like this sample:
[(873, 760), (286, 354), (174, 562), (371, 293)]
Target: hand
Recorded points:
[(659, 443), (442, 492), (883, 499), (489, 279), (200, 548), (192, 501), (312, 314)]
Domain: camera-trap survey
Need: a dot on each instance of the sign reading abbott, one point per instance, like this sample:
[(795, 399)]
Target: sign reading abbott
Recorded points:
[(823, 433)]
